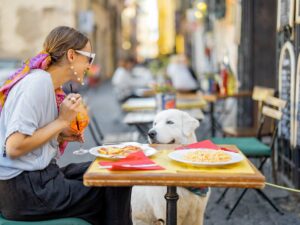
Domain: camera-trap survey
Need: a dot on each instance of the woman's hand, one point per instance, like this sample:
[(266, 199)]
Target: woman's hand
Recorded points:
[(70, 135), (69, 107)]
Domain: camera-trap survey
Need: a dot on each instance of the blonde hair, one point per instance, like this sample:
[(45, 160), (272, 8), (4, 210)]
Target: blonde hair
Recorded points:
[(61, 39)]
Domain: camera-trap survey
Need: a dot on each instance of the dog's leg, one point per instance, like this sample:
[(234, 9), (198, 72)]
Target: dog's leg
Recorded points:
[(196, 216), (142, 212)]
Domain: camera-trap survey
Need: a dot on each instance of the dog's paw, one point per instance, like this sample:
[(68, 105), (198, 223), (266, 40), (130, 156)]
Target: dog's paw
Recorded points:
[(159, 222)]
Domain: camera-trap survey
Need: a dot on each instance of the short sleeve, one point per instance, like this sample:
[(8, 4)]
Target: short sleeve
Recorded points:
[(25, 110)]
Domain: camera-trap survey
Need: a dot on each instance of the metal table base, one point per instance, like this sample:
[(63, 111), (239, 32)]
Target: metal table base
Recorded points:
[(171, 197)]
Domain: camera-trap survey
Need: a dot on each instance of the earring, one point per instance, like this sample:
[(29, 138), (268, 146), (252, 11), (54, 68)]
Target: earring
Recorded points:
[(82, 82), (74, 72)]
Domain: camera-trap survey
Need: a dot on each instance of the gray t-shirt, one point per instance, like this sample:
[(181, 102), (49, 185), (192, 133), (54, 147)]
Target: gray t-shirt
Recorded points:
[(30, 105)]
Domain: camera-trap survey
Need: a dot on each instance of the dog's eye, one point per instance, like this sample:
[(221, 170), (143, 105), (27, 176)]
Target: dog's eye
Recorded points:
[(170, 122)]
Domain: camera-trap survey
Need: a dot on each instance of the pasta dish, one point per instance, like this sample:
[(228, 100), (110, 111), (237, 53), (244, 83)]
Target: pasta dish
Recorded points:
[(208, 156)]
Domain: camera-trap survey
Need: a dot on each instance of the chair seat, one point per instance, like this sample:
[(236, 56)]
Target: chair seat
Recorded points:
[(63, 221), (250, 146)]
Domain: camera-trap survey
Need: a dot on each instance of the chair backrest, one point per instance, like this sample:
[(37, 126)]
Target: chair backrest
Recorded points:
[(272, 108), (95, 130), (259, 94)]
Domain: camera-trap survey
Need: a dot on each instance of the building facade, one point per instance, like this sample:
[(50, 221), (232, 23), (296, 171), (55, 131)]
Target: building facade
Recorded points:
[(25, 24)]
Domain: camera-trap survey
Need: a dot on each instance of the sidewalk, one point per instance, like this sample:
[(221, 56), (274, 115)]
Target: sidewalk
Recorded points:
[(252, 210)]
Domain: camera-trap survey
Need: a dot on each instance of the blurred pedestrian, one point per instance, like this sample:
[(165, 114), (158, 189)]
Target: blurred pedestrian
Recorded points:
[(142, 72), (182, 76), (123, 80), (35, 118)]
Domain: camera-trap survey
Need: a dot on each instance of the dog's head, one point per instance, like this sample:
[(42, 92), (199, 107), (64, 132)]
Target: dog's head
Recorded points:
[(173, 126)]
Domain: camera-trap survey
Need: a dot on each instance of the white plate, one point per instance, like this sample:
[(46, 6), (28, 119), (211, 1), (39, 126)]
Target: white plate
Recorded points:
[(148, 151), (179, 156)]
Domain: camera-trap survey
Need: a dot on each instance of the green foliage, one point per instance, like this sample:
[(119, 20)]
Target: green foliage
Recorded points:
[(163, 88), (158, 66)]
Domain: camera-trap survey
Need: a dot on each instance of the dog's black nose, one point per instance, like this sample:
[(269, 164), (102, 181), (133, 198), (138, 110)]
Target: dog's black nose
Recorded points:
[(152, 134)]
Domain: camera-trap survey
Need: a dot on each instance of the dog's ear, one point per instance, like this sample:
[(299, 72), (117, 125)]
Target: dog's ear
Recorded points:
[(190, 124)]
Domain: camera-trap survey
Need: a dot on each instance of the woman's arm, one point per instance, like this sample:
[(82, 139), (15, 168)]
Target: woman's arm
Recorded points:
[(19, 144)]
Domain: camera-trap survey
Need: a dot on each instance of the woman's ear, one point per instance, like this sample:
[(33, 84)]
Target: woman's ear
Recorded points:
[(70, 55)]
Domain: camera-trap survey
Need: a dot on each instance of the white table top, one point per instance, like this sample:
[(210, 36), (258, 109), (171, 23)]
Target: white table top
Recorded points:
[(148, 116)]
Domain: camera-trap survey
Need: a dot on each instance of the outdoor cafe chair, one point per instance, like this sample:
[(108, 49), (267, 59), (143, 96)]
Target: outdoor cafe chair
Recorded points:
[(259, 93), (101, 139), (254, 148)]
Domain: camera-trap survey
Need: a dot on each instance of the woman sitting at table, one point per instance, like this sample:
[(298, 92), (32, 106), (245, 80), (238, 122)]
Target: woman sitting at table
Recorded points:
[(35, 118)]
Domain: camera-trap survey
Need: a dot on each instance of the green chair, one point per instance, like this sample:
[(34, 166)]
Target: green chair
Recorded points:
[(63, 221), (254, 148)]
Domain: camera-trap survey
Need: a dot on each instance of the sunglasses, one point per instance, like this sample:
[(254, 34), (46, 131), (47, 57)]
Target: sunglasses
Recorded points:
[(91, 56)]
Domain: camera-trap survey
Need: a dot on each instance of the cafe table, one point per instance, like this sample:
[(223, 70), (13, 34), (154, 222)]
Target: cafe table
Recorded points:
[(239, 175), (141, 111), (186, 101), (138, 104), (144, 118)]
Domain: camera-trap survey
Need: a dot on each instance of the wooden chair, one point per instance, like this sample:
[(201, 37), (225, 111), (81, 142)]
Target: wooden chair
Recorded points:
[(258, 95), (253, 148)]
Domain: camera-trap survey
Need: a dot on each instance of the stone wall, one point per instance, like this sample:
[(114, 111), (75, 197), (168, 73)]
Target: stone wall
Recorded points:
[(25, 24)]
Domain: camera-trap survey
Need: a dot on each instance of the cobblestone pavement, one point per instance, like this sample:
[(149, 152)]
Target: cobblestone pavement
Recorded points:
[(252, 210)]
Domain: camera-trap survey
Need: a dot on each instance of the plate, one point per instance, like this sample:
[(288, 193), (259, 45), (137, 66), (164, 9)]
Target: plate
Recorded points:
[(179, 156), (148, 151)]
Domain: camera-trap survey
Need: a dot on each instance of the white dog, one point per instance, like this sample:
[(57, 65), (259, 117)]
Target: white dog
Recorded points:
[(148, 202)]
